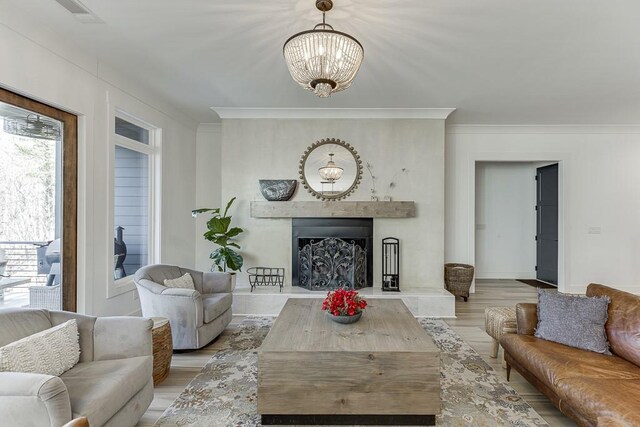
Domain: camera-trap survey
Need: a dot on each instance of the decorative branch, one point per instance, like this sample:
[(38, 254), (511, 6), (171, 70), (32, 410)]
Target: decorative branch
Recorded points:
[(373, 180), (392, 183)]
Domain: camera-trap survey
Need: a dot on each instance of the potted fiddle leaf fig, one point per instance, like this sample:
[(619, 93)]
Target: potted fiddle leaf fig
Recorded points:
[(220, 232)]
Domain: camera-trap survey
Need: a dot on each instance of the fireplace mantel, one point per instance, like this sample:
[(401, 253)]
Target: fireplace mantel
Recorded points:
[(313, 209)]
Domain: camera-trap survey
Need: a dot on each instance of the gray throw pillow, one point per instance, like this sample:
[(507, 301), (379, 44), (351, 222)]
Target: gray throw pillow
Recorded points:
[(573, 320)]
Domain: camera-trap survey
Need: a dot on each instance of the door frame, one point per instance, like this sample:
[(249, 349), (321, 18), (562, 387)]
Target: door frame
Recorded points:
[(69, 191), (564, 164)]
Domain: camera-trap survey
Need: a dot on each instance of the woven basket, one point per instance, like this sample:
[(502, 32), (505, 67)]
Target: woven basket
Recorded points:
[(458, 278), (162, 349)]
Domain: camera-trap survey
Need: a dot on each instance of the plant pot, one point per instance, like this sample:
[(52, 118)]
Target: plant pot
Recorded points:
[(234, 276), (345, 319)]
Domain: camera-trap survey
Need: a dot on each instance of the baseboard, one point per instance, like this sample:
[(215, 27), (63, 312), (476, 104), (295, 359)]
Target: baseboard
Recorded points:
[(515, 275), (581, 289), (422, 302)]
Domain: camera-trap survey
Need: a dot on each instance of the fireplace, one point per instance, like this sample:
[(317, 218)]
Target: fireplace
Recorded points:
[(329, 253)]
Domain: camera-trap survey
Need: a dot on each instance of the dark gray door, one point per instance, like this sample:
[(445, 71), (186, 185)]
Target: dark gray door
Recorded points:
[(547, 224)]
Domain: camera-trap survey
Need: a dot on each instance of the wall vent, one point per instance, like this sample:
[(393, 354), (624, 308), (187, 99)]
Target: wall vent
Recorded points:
[(80, 11)]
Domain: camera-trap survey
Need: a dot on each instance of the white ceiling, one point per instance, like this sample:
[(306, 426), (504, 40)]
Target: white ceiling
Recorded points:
[(496, 61)]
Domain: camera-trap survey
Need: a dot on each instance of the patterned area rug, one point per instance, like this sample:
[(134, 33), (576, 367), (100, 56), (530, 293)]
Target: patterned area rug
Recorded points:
[(224, 393)]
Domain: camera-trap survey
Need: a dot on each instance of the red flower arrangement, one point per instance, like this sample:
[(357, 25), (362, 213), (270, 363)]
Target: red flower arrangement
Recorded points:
[(342, 302)]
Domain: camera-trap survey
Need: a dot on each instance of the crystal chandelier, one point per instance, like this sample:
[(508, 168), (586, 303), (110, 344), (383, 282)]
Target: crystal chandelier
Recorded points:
[(323, 60), (32, 126), (331, 172)]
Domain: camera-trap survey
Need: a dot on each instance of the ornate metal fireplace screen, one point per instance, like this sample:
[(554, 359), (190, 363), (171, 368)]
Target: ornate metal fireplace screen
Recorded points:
[(332, 263)]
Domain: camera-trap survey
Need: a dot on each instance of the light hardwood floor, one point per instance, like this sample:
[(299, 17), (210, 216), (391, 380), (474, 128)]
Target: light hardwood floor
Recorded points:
[(469, 325)]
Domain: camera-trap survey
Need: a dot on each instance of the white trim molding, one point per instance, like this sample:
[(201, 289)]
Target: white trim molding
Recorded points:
[(564, 163), (542, 129), (333, 113)]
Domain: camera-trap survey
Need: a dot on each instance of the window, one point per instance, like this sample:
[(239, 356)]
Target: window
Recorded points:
[(133, 196), (132, 131)]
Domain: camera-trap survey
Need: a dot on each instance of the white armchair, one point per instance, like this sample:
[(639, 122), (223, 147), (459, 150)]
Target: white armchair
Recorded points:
[(197, 316)]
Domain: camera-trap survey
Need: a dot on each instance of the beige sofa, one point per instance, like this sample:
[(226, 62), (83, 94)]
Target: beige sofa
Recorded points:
[(111, 385), (197, 316)]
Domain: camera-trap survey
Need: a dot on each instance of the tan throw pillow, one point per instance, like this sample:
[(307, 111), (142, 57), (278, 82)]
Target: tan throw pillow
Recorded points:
[(185, 281), (51, 352)]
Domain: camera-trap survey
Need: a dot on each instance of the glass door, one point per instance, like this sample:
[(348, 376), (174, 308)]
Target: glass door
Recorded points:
[(38, 149)]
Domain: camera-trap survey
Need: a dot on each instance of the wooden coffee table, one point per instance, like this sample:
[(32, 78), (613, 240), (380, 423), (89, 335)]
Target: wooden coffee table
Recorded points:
[(383, 369)]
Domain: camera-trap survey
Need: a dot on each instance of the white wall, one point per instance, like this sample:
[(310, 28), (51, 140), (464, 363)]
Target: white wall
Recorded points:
[(272, 148), (45, 67), (209, 176), (505, 220), (599, 187)]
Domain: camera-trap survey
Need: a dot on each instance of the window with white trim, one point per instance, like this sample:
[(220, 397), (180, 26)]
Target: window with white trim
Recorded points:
[(133, 195)]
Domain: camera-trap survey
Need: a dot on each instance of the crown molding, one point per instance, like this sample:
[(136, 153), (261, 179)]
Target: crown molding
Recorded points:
[(333, 113), (542, 129)]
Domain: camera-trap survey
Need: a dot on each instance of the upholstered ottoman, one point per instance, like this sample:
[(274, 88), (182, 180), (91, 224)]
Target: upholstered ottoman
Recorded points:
[(497, 322)]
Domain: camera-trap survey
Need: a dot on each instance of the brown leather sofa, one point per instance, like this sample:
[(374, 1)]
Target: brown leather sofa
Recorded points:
[(593, 389)]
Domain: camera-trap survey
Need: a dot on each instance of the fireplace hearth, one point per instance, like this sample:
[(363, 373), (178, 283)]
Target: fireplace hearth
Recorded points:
[(331, 253)]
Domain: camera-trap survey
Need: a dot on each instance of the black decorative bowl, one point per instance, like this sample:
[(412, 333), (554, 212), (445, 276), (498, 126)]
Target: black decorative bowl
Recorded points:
[(277, 190)]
